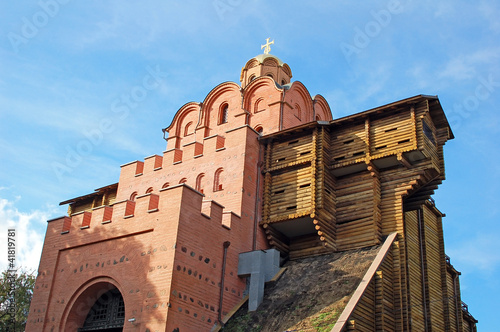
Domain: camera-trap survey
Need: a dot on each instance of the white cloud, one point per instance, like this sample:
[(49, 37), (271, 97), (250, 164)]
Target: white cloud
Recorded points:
[(467, 66), (29, 234), (478, 253), (490, 10)]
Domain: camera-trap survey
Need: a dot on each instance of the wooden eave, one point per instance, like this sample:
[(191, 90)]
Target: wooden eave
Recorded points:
[(98, 191), (286, 133), (435, 108)]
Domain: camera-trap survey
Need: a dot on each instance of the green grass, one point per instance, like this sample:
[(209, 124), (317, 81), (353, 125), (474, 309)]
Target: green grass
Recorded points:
[(325, 321)]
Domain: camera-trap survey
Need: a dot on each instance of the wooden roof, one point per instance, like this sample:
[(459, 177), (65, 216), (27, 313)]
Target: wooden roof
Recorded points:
[(434, 106), (98, 191)]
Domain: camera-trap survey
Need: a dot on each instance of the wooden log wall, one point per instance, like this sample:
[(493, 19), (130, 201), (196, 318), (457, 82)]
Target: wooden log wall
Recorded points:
[(358, 211), (452, 303), (83, 206), (105, 198), (289, 173), (350, 145), (363, 317), (417, 305), (429, 285), (324, 202), (291, 194), (385, 310), (291, 152), (304, 246), (436, 270), (392, 133), (454, 297)]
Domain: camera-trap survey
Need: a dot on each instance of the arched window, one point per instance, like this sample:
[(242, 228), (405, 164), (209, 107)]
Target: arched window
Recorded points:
[(165, 185), (251, 78), (283, 82), (187, 128), (218, 179), (107, 313), (133, 196), (259, 105), (199, 182), (183, 180), (297, 111), (318, 118), (259, 129), (150, 190), (223, 113)]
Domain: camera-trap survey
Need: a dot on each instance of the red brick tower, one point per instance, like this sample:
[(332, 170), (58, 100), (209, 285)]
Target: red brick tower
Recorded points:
[(158, 251)]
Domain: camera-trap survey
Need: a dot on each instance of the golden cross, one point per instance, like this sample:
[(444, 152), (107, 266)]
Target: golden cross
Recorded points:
[(267, 46)]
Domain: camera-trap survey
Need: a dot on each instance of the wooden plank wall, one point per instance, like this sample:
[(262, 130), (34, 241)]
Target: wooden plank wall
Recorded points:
[(291, 193), (350, 144), (326, 198), (385, 280), (453, 303), (358, 211), (364, 313), (395, 132), (414, 263), (379, 308), (436, 277), (80, 207), (291, 151)]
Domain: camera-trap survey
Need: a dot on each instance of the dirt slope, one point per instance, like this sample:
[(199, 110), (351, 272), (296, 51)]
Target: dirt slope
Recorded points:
[(309, 296)]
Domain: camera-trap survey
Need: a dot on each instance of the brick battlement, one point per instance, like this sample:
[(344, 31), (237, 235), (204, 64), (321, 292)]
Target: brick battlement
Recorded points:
[(126, 216), (209, 147)]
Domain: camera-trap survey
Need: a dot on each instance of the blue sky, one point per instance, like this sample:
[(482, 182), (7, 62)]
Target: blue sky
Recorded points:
[(87, 86)]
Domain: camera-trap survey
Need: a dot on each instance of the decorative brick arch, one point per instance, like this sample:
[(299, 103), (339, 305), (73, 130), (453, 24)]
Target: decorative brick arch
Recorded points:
[(223, 113), (218, 179), (199, 182), (83, 299)]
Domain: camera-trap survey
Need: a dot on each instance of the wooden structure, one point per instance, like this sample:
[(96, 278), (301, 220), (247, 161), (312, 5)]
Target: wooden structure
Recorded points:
[(350, 183)]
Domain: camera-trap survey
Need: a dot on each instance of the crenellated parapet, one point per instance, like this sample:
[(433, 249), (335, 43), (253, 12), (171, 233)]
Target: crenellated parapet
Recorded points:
[(123, 217)]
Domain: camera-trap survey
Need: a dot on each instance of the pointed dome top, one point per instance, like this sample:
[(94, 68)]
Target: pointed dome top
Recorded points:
[(262, 57), (265, 65)]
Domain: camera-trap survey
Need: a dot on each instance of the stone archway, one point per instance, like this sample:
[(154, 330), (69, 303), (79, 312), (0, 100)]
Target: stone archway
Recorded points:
[(96, 306)]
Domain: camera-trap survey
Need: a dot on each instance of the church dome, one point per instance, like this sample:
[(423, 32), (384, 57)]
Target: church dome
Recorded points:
[(263, 57), (265, 65)]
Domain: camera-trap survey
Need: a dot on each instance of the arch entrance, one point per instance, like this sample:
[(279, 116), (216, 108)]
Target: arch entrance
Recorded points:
[(98, 305), (107, 313)]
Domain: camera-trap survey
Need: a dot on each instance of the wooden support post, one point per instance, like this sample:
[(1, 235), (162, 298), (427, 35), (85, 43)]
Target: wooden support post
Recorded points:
[(379, 301)]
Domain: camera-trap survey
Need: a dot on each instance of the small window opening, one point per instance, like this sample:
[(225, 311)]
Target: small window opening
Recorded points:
[(223, 116), (187, 129), (218, 180), (199, 182), (428, 132)]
